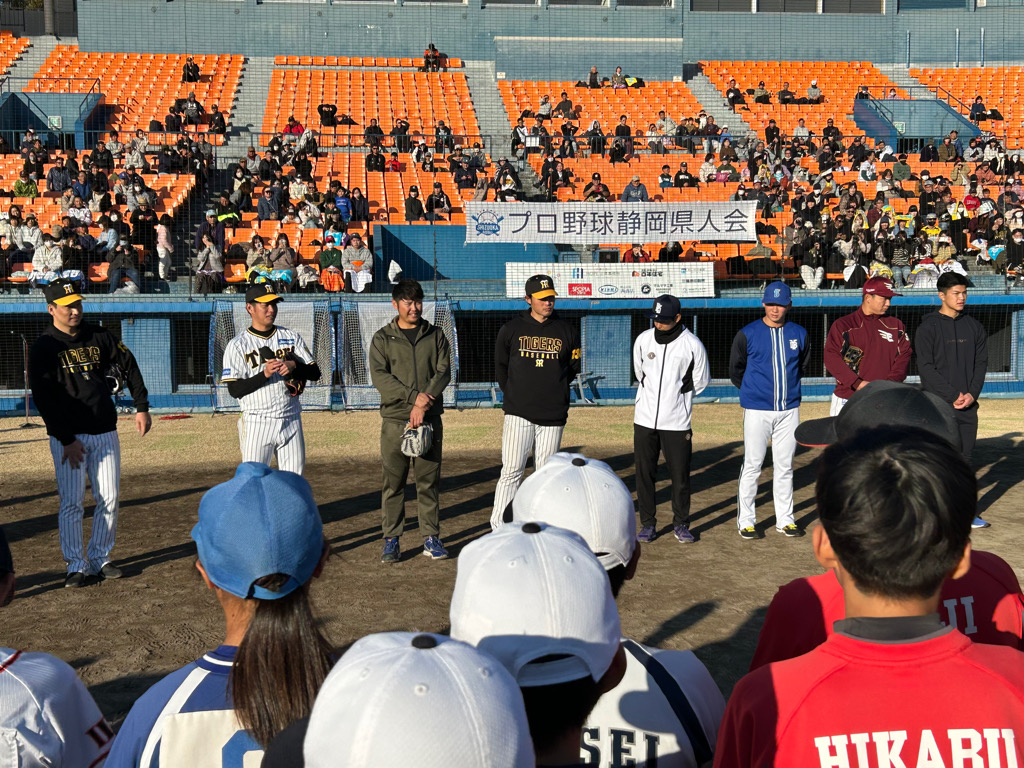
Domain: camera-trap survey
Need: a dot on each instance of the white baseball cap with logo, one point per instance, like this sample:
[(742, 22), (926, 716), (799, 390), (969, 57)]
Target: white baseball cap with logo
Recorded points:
[(585, 496), (402, 698), (529, 591)]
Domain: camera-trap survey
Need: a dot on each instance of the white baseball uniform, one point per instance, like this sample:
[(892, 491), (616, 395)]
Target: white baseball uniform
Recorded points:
[(665, 712), (519, 436), (271, 422), (47, 717)]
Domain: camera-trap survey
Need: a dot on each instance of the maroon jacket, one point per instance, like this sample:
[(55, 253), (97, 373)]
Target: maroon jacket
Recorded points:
[(866, 348)]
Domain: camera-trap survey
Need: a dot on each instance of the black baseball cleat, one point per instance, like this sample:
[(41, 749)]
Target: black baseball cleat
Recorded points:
[(74, 580), (110, 571)]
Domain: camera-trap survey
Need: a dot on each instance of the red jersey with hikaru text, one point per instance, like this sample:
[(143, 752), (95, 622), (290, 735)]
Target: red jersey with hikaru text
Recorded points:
[(936, 701), (986, 605)]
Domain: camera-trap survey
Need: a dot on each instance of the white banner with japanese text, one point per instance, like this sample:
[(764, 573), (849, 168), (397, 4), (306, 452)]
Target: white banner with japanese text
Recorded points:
[(583, 223), (685, 280)]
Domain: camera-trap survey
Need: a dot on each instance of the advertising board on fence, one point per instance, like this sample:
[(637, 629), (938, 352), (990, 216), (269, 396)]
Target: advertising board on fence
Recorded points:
[(588, 223), (689, 280)]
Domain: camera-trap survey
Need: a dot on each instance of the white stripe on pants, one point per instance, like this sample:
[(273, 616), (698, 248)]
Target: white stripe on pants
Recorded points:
[(836, 406), (518, 438), (262, 438), (758, 428), (102, 466)]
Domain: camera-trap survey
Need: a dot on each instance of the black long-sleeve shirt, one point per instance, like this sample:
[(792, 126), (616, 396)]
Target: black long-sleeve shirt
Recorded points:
[(67, 375), (952, 355), (535, 363)]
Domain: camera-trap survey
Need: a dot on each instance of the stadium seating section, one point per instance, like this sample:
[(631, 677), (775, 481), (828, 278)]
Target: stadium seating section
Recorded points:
[(423, 98), (838, 81), (640, 105), (11, 48), (143, 86), (999, 87), (358, 61)]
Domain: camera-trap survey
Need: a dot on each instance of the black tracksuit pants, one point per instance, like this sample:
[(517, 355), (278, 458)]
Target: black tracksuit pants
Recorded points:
[(677, 447)]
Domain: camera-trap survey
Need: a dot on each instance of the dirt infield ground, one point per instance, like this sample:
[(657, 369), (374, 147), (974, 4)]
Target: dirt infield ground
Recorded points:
[(709, 597)]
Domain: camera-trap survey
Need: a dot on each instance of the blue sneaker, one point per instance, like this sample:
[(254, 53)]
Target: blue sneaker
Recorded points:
[(647, 534), (433, 548), (979, 523), (683, 535), (392, 552)]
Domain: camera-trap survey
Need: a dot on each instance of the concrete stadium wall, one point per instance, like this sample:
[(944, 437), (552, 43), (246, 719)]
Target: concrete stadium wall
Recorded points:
[(540, 41)]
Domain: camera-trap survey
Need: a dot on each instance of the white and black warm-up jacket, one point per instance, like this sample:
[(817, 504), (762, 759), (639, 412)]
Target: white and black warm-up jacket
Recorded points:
[(669, 375)]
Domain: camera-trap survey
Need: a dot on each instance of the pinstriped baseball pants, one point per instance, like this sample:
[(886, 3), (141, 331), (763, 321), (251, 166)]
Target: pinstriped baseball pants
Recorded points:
[(102, 467), (263, 438), (518, 437)]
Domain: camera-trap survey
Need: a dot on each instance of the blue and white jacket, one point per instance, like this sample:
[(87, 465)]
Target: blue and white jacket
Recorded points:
[(766, 364)]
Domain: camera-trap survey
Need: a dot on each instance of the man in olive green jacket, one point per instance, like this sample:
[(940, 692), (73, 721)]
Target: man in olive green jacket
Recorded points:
[(410, 365)]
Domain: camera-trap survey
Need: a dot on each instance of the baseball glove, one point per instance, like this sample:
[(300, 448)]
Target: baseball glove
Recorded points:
[(295, 387), (416, 442), (852, 355), (115, 378)]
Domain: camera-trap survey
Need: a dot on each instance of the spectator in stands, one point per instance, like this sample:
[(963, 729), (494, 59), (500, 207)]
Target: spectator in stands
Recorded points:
[(666, 127), (455, 160), (439, 204), (283, 258), (636, 255), (973, 153), (102, 159), (929, 153), (190, 71), (564, 107), (357, 265), (477, 156), (814, 94), (544, 108), (683, 178), (761, 94), (58, 179), (444, 141), (214, 228), (785, 95), (431, 59), (518, 139), (164, 246), (209, 265), (393, 165), (619, 79), (559, 178), (79, 211), (47, 261), (144, 221), (862, 93), (25, 186), (655, 143), (665, 180), (832, 135), (414, 206), (464, 176), (34, 166), (268, 208), (217, 121), (773, 137), (373, 135), (593, 78), (360, 206), (293, 127), (343, 200), (635, 192), (375, 161), (400, 130), (947, 152), (28, 140), (734, 95), (595, 135), (708, 169), (568, 146), (624, 132), (124, 262), (710, 131), (192, 110), (506, 181), (596, 190), (978, 111), (172, 120)]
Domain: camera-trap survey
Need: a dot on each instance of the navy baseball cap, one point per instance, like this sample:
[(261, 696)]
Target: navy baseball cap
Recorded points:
[(261, 522), (665, 307), (883, 403), (777, 293)]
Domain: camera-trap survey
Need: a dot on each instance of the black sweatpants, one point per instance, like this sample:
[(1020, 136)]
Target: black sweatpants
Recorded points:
[(967, 421), (677, 447)]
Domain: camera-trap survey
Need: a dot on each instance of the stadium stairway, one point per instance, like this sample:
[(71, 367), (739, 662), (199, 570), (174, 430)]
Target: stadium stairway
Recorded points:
[(247, 115), (714, 103), (899, 75), (25, 68)]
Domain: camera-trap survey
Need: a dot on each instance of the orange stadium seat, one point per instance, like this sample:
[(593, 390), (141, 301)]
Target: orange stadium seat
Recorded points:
[(838, 81), (11, 49), (999, 87), (142, 86)]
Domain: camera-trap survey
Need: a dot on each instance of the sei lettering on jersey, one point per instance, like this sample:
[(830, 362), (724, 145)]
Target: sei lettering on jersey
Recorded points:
[(964, 747), (619, 747)]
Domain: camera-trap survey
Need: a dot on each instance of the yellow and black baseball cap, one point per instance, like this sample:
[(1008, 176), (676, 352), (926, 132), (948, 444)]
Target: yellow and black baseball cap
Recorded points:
[(540, 287), (261, 292), (61, 292)]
